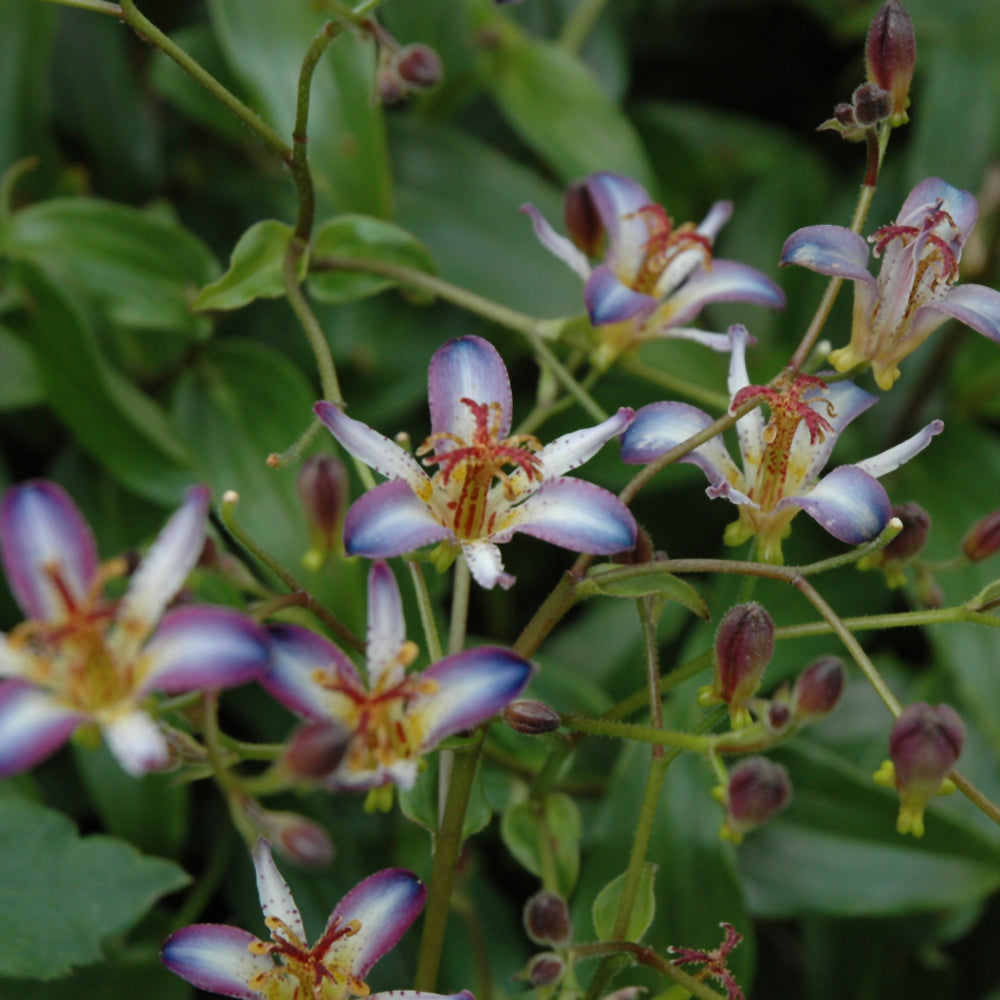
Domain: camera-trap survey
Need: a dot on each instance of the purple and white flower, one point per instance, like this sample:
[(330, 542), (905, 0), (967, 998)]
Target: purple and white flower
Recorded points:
[(916, 289), (365, 925), (782, 456), (651, 279), (393, 717), (82, 657), (472, 502)]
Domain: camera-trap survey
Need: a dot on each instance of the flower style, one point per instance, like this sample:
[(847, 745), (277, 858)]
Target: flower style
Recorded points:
[(82, 657), (365, 925), (396, 717), (915, 291), (782, 456), (471, 501), (652, 279)]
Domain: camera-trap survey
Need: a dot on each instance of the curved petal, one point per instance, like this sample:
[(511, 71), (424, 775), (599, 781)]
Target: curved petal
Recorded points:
[(297, 653), (557, 244), (216, 958), (44, 536), (750, 427), (467, 368), (486, 565), (200, 647), (609, 300), (33, 725), (849, 503), (420, 995), (370, 447), (932, 192), (575, 515), (273, 892), (884, 462), (163, 570), (619, 201), (571, 450), (718, 215), (471, 688), (721, 343), (137, 742), (390, 520), (386, 626), (976, 306), (722, 281), (385, 904), (830, 250)]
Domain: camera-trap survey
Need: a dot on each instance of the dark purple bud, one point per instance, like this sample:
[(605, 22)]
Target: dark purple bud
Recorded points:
[(419, 66), (844, 113), (779, 715), (583, 222), (983, 539), (546, 919), (758, 788), (871, 103), (322, 486), (744, 643), (818, 688), (544, 969), (298, 839), (913, 537), (890, 55), (316, 749), (531, 717)]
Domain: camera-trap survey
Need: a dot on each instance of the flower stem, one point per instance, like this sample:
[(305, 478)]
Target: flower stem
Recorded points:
[(98, 6), (431, 637)]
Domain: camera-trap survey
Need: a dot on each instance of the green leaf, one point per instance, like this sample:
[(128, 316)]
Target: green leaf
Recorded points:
[(362, 237), (142, 269), (605, 909), (255, 269), (122, 428), (539, 832), (133, 975), (554, 102), (20, 384), (641, 581), (420, 805), (62, 894)]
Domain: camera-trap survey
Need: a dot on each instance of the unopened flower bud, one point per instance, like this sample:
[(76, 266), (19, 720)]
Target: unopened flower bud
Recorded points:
[(779, 715), (818, 688), (531, 717), (871, 104), (583, 223), (890, 55), (316, 749), (642, 552), (844, 113), (546, 919), (419, 66), (983, 539), (299, 839), (626, 993), (544, 969), (924, 744), (744, 643), (322, 486), (758, 788), (911, 540)]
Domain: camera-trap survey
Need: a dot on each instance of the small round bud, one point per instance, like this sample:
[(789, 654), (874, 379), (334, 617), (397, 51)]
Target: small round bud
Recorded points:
[(890, 55), (546, 919), (758, 788), (818, 688), (924, 744), (316, 749), (983, 538), (322, 487), (871, 103), (419, 66), (911, 540), (298, 839), (544, 969), (744, 643), (779, 715), (531, 717), (844, 113)]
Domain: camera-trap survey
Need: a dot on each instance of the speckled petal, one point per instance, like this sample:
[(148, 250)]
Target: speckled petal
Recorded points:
[(976, 306), (390, 520), (272, 890), (385, 904), (609, 300), (849, 503), (884, 462), (486, 565), (827, 249), (33, 725), (41, 527), (557, 244), (571, 450), (723, 281), (386, 626), (471, 687), (136, 742), (215, 958), (467, 368)]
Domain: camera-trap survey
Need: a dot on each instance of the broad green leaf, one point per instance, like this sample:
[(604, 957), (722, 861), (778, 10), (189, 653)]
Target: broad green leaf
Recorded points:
[(605, 910), (642, 581), (130, 975), (62, 894), (19, 381), (122, 428), (554, 102), (264, 43), (362, 237), (539, 832), (255, 269), (139, 267), (422, 803)]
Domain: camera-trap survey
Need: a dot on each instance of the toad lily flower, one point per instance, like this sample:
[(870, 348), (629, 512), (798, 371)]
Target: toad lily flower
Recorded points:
[(472, 502), (915, 291), (652, 279), (82, 657), (365, 925), (782, 456), (396, 717)]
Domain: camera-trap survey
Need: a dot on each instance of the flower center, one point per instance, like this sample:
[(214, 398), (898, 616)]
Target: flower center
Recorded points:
[(467, 469), (668, 250), (791, 401), (301, 972)]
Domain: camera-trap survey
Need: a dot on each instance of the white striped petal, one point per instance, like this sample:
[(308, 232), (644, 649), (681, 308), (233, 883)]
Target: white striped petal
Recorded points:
[(216, 958), (272, 889)]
